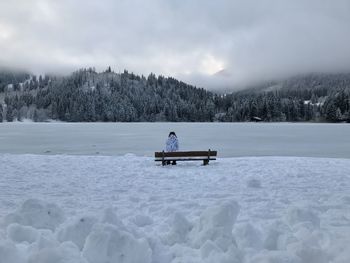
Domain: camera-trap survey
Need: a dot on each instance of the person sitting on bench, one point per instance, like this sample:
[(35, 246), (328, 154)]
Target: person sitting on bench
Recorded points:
[(172, 145)]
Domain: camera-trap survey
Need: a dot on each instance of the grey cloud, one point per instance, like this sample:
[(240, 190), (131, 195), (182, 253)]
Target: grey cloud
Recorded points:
[(252, 40)]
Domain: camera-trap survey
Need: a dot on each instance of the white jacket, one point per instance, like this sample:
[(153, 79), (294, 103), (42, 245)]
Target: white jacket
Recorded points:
[(172, 144)]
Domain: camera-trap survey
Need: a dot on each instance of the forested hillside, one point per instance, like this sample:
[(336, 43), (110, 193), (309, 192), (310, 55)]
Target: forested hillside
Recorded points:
[(313, 97), (89, 96), (8, 77)]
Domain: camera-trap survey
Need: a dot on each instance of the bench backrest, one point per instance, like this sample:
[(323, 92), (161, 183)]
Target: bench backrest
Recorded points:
[(186, 154)]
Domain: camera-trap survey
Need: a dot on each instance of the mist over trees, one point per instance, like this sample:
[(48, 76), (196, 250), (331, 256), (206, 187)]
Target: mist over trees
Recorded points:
[(313, 97), (8, 77), (88, 96)]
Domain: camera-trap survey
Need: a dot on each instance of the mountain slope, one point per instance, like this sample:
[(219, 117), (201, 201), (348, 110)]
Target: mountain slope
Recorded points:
[(311, 97), (89, 96)]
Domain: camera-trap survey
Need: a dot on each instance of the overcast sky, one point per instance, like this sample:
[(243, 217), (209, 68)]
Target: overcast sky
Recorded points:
[(190, 40)]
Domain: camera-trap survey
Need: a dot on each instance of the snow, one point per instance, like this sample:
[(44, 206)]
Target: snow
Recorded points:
[(253, 182), (92, 209), (309, 102), (106, 243), (24, 120), (142, 220), (20, 233), (77, 231), (215, 224), (37, 214)]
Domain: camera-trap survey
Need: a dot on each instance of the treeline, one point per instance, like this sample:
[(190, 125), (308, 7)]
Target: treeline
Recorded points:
[(313, 97), (88, 96), (8, 77)]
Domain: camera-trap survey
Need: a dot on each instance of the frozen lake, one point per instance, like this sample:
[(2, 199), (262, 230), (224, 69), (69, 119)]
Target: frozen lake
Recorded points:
[(142, 139)]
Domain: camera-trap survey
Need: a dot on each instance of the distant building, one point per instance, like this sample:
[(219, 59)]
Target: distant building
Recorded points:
[(256, 119)]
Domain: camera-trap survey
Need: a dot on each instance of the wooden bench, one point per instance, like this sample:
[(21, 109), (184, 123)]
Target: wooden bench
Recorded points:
[(204, 156)]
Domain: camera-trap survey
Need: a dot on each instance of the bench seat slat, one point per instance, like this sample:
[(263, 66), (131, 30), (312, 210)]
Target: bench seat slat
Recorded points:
[(185, 154), (183, 159)]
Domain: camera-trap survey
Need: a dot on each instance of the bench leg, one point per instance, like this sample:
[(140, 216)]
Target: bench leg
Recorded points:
[(163, 163), (205, 162)]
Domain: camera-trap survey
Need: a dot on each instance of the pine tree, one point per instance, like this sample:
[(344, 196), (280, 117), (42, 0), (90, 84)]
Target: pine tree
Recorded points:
[(313, 99), (331, 111), (1, 113), (9, 113), (338, 115)]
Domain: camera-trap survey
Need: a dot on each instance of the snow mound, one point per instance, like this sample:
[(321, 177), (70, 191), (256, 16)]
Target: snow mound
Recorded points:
[(298, 235), (211, 253), (277, 235), (110, 217), (77, 231), (107, 244), (275, 257), (215, 224), (66, 252), (247, 236), (142, 220), (37, 214), (85, 239), (180, 229), (297, 215), (9, 253), (19, 233)]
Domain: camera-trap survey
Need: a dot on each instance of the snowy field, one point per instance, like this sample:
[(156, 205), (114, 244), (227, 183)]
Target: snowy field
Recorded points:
[(92, 193), (142, 139), (106, 209)]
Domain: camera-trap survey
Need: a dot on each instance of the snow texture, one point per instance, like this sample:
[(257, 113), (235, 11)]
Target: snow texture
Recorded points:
[(100, 209)]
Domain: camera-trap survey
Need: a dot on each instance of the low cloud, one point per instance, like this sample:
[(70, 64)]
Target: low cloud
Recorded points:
[(250, 40)]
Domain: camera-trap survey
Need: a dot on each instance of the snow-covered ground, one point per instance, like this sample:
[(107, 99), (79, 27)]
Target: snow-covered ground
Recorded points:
[(106, 209)]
